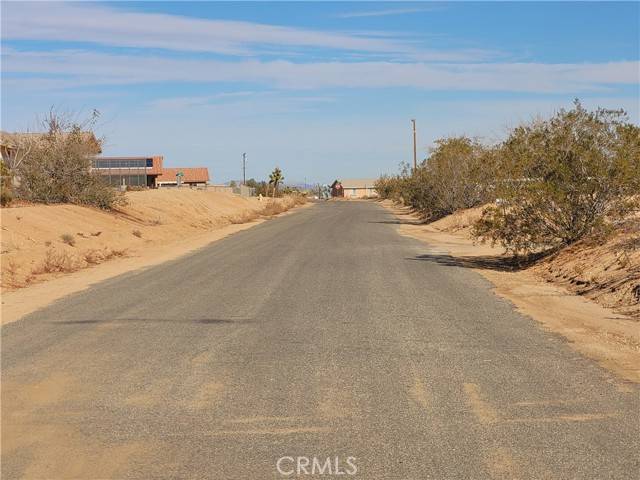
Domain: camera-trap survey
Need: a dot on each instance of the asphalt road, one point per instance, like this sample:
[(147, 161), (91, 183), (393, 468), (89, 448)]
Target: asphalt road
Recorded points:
[(319, 334)]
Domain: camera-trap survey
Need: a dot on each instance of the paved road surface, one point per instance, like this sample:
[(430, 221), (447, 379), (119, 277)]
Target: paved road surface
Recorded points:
[(323, 333)]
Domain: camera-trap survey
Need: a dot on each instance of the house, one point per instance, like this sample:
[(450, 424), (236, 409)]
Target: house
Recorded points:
[(354, 188), (143, 172), (192, 176), (146, 172), (129, 171)]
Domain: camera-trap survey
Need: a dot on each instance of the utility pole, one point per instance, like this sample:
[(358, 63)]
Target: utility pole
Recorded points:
[(415, 153), (244, 168)]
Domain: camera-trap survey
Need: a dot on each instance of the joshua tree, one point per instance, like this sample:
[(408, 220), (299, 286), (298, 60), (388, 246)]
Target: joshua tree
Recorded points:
[(275, 178)]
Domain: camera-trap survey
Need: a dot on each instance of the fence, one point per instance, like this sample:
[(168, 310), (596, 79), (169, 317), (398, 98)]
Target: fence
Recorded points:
[(241, 190)]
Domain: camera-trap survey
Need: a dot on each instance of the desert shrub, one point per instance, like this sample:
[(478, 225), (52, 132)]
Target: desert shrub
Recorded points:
[(458, 174), (55, 262), (562, 179), (273, 208), (115, 253), (10, 274), (93, 256), (244, 217), (299, 199), (57, 168), (68, 239), (137, 233)]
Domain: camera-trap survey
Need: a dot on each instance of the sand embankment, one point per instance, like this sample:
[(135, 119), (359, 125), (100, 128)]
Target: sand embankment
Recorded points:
[(48, 251), (587, 293)]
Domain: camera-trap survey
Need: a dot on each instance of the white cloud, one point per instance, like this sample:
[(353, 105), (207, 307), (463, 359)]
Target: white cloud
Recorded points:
[(69, 69), (387, 12), (117, 27)]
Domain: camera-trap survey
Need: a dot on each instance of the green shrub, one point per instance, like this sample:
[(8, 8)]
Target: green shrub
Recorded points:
[(458, 174), (562, 179)]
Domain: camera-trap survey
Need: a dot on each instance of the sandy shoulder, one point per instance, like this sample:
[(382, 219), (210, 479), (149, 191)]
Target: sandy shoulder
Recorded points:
[(612, 339)]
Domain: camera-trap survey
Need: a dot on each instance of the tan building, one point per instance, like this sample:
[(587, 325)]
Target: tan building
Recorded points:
[(358, 188)]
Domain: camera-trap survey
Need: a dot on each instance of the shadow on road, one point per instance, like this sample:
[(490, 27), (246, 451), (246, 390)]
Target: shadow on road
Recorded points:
[(204, 321), (487, 262), (401, 222)]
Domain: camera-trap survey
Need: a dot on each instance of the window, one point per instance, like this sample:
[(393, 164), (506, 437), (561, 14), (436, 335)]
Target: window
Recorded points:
[(123, 163)]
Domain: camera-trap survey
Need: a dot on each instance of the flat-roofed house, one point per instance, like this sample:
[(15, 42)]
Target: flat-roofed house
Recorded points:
[(359, 188), (129, 171)]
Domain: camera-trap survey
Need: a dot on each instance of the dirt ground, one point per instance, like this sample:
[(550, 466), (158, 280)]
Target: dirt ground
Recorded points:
[(48, 251), (598, 318)]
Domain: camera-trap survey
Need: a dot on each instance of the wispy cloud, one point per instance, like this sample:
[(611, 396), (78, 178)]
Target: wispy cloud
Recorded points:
[(243, 104), (69, 69), (387, 12), (117, 27)]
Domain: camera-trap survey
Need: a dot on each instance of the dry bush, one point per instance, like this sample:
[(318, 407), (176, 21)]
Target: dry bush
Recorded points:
[(244, 217), (93, 257), (56, 168), (56, 262), (96, 256), (137, 233), (299, 199), (273, 208), (114, 253), (10, 275), (68, 239)]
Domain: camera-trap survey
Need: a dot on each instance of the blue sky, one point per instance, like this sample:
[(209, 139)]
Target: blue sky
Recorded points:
[(324, 90)]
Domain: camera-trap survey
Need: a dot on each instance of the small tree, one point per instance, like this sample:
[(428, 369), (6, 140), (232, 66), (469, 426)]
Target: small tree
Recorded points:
[(275, 178), (562, 179)]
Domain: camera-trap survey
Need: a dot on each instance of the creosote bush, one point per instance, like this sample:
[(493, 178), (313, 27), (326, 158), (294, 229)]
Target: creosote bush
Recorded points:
[(457, 174), (563, 179), (551, 182)]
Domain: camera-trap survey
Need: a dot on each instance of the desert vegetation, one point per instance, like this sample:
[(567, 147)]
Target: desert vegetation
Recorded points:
[(273, 187), (549, 184), (55, 166)]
